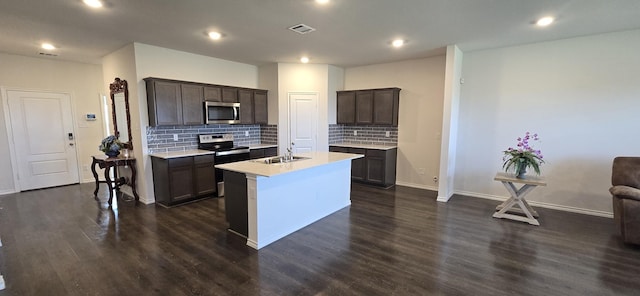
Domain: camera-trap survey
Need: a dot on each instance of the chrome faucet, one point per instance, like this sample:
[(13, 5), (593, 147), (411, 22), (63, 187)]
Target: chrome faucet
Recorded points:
[(289, 155)]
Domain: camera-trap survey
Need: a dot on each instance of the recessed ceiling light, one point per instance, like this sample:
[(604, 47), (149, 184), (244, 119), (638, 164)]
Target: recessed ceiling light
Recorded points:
[(48, 46), (397, 43), (215, 35), (93, 3), (304, 60), (322, 1), (545, 21)]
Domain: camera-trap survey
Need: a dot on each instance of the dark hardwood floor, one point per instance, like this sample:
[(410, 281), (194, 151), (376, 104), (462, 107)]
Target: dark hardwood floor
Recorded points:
[(400, 241)]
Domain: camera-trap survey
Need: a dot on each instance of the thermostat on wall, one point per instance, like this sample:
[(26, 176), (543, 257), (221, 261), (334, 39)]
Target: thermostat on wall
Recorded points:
[(90, 117)]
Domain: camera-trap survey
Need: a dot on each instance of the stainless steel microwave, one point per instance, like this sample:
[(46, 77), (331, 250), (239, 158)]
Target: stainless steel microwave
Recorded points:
[(221, 113)]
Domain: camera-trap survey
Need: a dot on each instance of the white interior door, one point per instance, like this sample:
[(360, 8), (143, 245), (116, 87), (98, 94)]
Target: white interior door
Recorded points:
[(303, 121), (44, 139)]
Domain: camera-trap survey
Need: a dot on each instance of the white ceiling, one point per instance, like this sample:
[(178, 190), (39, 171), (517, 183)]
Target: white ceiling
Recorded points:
[(349, 32)]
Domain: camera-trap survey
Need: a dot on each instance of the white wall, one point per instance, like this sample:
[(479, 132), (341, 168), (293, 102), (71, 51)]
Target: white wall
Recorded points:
[(582, 96), (420, 118), (335, 83), (82, 81), (152, 61), (308, 78)]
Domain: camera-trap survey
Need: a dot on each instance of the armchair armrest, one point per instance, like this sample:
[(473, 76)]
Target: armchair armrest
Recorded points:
[(625, 192)]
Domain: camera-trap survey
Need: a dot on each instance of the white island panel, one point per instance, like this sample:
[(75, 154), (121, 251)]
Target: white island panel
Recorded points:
[(284, 203)]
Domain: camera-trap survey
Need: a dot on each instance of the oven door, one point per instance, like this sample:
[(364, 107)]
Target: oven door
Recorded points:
[(222, 113)]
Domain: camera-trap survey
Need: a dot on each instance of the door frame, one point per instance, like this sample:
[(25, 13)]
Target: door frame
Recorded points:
[(4, 93), (289, 95)]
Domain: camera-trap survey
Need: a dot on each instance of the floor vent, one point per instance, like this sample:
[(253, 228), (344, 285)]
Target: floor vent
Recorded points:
[(302, 29), (48, 54)]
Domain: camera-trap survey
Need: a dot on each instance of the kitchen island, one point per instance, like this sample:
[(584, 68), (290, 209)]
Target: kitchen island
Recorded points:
[(282, 198)]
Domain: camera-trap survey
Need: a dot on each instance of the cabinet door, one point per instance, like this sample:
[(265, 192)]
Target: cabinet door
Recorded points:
[(180, 183), (230, 94), (260, 107), (245, 96), (192, 104), (168, 103), (205, 178), (213, 93), (384, 107), (364, 107), (375, 166), (346, 107), (358, 165)]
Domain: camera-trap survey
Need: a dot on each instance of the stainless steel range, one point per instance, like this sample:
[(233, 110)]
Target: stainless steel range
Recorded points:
[(226, 152)]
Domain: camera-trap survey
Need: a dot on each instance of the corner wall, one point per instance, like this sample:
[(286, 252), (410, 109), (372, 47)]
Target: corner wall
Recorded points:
[(582, 97), (420, 118)]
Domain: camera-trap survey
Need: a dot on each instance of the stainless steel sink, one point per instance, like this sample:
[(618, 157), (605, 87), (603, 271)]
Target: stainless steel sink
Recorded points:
[(279, 159)]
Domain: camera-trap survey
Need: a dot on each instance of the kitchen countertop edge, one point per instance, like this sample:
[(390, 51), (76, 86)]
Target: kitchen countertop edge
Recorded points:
[(316, 159)]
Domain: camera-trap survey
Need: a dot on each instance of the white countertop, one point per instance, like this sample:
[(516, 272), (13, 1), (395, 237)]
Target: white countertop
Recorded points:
[(365, 146), (268, 170), (261, 146), (184, 153)]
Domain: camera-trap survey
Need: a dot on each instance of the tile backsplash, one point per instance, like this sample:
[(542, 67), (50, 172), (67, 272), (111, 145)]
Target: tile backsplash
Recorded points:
[(161, 138), (364, 134)]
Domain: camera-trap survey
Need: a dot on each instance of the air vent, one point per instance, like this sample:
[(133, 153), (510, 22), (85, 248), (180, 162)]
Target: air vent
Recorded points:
[(48, 54), (302, 29)]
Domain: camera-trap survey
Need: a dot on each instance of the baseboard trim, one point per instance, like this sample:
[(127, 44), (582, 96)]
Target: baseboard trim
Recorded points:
[(419, 186), (8, 191), (540, 204)]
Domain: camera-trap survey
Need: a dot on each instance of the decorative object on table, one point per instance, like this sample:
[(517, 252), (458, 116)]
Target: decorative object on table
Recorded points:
[(111, 146), (523, 156), (625, 178)]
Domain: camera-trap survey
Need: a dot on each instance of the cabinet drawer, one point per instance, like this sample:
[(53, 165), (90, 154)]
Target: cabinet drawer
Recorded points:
[(376, 153), (203, 159), (338, 149), (181, 161), (358, 151)]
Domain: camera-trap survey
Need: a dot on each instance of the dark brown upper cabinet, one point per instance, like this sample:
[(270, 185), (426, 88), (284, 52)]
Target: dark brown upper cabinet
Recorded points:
[(174, 102), (368, 106), (213, 93), (192, 104), (230, 94), (164, 102), (260, 107), (364, 107), (253, 106), (346, 107), (245, 96)]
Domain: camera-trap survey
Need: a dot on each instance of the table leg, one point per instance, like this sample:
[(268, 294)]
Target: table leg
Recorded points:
[(95, 176), (109, 185), (133, 181), (517, 197)]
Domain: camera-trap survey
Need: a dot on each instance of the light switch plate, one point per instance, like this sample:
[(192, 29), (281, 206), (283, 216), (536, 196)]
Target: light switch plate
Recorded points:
[(175, 137), (355, 133)]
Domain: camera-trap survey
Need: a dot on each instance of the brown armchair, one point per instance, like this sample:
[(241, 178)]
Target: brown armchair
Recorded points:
[(625, 178)]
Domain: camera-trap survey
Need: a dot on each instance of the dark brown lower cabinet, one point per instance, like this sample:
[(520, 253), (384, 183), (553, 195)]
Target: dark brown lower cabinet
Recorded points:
[(182, 179), (263, 152), (378, 167), (235, 202)]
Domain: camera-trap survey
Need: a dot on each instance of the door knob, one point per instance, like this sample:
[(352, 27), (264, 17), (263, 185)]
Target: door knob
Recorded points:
[(70, 144)]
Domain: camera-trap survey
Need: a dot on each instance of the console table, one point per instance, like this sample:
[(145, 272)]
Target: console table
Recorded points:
[(517, 198), (106, 163)]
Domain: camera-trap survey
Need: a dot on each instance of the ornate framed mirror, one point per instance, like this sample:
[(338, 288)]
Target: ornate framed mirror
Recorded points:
[(120, 111)]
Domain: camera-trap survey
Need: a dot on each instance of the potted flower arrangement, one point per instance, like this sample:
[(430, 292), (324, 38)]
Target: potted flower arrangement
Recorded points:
[(523, 157), (111, 146)]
